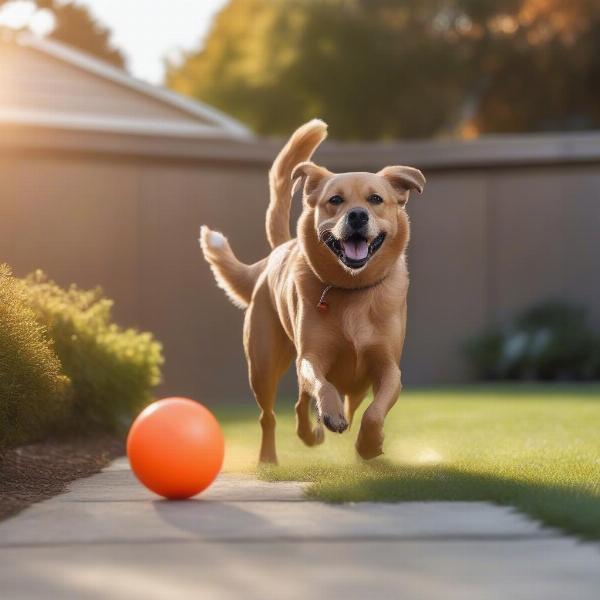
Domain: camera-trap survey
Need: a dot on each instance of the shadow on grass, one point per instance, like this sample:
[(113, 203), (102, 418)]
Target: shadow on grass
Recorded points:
[(573, 509)]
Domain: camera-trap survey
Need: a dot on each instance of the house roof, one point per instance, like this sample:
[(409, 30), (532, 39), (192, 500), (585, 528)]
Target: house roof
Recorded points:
[(48, 84)]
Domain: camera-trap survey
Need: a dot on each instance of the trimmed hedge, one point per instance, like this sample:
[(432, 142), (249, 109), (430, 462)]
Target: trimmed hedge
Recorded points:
[(64, 365), (112, 370), (35, 395)]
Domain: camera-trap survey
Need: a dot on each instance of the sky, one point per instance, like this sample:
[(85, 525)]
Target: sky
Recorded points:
[(149, 30), (146, 31)]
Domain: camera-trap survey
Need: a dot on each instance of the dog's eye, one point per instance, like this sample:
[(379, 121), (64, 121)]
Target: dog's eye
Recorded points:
[(336, 200), (375, 199)]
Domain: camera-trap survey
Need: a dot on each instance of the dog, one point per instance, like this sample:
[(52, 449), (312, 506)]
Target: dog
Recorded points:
[(333, 298)]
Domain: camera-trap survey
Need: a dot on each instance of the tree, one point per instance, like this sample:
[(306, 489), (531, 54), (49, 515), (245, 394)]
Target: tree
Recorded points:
[(74, 25), (401, 68), (542, 67)]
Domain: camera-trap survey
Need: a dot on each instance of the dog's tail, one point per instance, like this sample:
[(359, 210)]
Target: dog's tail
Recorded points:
[(299, 148), (235, 277)]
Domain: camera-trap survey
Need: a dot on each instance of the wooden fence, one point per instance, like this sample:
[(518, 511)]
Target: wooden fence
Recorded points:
[(503, 223)]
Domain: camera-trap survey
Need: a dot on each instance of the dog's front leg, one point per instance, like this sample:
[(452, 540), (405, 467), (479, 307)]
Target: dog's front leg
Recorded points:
[(386, 389), (311, 380)]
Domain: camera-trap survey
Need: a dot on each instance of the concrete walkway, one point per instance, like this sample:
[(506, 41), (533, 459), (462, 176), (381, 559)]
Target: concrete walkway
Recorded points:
[(244, 539)]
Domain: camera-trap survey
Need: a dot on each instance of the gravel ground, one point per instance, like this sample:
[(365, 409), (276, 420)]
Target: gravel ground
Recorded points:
[(38, 471)]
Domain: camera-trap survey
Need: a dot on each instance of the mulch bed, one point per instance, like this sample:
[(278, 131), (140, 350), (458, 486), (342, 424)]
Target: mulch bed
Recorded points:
[(38, 471)]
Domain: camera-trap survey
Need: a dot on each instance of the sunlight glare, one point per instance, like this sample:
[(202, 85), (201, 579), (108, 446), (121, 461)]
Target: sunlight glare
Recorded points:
[(429, 456), (42, 22), (413, 452), (16, 15)]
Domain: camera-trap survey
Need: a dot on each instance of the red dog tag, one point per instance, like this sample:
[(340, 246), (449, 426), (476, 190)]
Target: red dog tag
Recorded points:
[(322, 306)]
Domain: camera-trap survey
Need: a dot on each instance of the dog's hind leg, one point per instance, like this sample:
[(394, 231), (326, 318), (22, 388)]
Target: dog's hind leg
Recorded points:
[(309, 434), (387, 386), (351, 403), (269, 353)]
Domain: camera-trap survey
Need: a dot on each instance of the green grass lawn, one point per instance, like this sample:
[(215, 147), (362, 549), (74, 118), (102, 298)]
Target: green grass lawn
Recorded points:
[(534, 447)]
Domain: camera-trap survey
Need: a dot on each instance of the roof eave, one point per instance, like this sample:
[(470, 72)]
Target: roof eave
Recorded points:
[(87, 63)]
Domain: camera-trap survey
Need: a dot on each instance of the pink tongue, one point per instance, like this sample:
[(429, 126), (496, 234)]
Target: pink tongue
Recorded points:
[(356, 250)]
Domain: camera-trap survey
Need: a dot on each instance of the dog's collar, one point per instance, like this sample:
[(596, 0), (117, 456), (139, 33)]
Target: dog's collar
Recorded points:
[(323, 305)]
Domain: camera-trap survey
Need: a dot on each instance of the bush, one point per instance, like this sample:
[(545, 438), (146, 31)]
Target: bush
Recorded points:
[(112, 370), (34, 392), (551, 341)]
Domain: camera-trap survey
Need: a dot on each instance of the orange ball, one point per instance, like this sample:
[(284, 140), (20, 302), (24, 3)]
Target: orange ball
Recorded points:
[(176, 447)]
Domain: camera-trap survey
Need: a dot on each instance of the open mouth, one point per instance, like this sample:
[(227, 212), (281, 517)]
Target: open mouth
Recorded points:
[(355, 251)]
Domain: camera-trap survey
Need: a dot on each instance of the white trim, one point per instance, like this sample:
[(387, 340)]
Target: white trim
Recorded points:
[(110, 124), (87, 63), (497, 152)]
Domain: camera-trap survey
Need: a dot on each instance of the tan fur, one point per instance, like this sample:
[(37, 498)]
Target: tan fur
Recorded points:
[(236, 278), (357, 342), (299, 148)]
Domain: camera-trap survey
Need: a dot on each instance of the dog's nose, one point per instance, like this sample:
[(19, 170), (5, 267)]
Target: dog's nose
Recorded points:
[(358, 217)]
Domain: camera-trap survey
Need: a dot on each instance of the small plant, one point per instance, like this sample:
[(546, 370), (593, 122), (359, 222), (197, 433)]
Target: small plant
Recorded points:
[(113, 370), (34, 392), (551, 341)]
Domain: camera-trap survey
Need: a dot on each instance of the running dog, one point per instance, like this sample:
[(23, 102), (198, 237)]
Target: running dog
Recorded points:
[(333, 298)]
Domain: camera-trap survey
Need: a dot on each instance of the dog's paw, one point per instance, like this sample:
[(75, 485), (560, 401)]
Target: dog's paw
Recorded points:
[(369, 453), (335, 423), (369, 444), (313, 436)]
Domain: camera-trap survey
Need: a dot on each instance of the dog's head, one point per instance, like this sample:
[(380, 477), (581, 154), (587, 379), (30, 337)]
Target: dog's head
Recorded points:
[(354, 225)]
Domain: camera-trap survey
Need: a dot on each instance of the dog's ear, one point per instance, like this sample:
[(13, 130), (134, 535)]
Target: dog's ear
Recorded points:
[(403, 180), (308, 176)]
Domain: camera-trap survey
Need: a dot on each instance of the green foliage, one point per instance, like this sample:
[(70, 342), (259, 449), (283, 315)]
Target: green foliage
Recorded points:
[(551, 341), (483, 353), (112, 370), (64, 365), (378, 69), (34, 393), (76, 26)]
